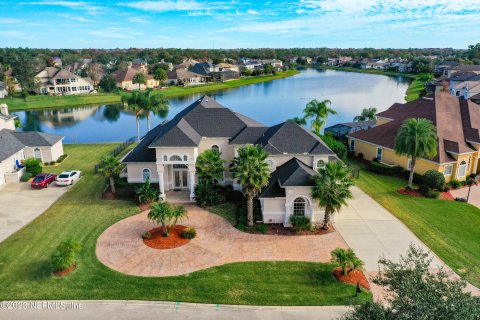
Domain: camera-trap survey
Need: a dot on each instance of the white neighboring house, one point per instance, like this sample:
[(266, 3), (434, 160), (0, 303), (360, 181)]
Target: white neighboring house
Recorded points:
[(3, 90), (168, 153), (53, 80), (16, 146), (466, 89)]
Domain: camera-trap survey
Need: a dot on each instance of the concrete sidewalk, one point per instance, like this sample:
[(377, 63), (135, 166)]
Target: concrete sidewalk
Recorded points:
[(146, 310), (20, 204)]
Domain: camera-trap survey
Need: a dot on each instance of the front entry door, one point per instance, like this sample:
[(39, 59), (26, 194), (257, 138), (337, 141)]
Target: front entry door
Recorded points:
[(181, 179)]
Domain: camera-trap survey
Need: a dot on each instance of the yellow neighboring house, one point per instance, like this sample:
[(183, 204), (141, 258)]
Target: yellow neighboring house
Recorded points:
[(124, 79), (457, 122)]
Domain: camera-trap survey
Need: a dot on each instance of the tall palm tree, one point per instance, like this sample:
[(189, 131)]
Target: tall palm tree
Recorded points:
[(252, 172), (416, 138), (299, 120), (111, 168), (155, 103), (366, 115), (318, 111), (210, 166), (332, 189), (135, 103)]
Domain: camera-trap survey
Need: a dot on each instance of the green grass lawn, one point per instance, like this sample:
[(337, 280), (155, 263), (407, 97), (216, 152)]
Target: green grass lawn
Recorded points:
[(414, 90), (25, 271), (43, 102), (449, 228)]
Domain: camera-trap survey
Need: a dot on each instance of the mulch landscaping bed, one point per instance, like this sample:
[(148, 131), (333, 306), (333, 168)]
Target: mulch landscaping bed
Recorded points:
[(174, 239), (352, 277), (416, 193), (285, 231), (63, 273)]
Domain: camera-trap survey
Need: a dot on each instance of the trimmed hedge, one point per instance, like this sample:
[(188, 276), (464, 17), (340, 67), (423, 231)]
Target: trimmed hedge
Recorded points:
[(434, 180), (381, 168)]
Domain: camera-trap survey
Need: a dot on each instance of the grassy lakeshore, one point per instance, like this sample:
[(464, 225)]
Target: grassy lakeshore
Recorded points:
[(414, 89), (46, 102), (81, 213)]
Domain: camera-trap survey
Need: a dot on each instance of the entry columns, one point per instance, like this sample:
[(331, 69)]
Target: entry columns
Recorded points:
[(161, 181), (191, 180)]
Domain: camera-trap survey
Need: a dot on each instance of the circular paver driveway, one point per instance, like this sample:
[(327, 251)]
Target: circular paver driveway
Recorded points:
[(121, 247)]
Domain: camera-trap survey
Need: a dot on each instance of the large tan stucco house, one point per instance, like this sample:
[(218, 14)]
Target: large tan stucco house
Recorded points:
[(16, 146), (457, 122), (53, 80), (168, 153), (124, 79)]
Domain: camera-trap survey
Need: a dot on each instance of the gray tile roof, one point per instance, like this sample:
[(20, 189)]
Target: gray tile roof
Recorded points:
[(292, 173), (12, 141)]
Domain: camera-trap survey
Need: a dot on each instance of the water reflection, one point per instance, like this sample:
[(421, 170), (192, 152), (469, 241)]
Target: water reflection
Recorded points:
[(270, 102)]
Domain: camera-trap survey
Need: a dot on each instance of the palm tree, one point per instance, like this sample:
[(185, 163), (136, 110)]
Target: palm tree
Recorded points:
[(416, 138), (252, 172), (346, 258), (111, 168), (139, 78), (367, 114), (134, 102), (210, 166), (318, 111), (161, 213), (300, 121), (154, 103), (332, 189)]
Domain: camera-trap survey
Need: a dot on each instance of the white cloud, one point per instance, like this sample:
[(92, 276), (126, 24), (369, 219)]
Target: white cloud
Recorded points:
[(251, 11), (88, 7), (140, 20), (176, 5), (76, 18)]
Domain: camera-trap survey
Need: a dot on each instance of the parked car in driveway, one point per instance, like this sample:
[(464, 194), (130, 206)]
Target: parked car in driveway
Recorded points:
[(42, 180), (68, 177)]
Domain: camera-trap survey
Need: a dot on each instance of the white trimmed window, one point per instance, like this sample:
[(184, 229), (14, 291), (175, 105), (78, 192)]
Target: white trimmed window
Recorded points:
[(215, 148), (320, 164), (352, 145), (165, 157), (462, 169), (299, 207), (185, 157), (379, 154), (271, 165), (146, 175), (175, 158), (447, 170)]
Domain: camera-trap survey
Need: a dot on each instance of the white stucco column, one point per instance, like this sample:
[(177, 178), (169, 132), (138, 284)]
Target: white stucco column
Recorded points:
[(161, 181), (288, 211), (475, 165), (191, 180), (312, 213)]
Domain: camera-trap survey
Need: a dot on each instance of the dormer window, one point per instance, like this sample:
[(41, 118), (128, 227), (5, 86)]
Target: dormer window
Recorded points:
[(320, 164)]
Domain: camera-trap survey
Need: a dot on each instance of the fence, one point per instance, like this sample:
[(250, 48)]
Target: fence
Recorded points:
[(118, 150)]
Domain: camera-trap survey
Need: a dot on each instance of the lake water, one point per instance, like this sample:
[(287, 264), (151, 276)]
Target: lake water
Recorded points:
[(269, 102)]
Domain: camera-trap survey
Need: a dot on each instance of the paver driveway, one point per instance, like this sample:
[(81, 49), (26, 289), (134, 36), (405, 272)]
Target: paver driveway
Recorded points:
[(20, 204), (121, 247)]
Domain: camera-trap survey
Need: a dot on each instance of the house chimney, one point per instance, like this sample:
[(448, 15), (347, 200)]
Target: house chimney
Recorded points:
[(4, 109)]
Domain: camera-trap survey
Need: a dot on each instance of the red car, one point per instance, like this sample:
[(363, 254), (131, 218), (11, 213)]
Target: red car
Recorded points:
[(42, 180)]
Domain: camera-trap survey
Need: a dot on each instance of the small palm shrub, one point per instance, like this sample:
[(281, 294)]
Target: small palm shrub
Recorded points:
[(146, 193), (346, 258), (189, 233), (300, 223), (65, 255), (25, 177), (206, 195), (434, 180), (33, 166)]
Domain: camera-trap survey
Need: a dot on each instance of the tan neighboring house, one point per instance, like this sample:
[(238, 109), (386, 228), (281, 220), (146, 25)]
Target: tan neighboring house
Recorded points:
[(124, 79), (168, 153), (183, 77), (457, 122), (16, 146), (227, 66), (53, 80)]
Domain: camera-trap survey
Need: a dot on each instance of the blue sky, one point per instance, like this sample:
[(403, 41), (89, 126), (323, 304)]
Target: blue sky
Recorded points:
[(239, 24)]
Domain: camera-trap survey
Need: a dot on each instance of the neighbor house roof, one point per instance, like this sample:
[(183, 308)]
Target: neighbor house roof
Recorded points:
[(12, 141), (465, 67), (202, 68), (127, 75), (292, 173), (207, 118), (457, 122), (182, 74)]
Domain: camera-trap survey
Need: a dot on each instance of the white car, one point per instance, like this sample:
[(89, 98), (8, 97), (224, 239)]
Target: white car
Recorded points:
[(68, 177)]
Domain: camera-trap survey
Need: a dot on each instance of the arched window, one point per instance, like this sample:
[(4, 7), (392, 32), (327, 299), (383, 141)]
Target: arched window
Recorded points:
[(462, 168), (320, 164), (175, 158), (38, 154), (299, 207), (215, 148), (146, 175)]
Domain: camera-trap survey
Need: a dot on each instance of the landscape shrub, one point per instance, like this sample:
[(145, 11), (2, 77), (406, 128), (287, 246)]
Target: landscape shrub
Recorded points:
[(300, 223), (381, 168), (241, 226), (233, 195), (429, 192), (189, 233), (25, 177), (146, 193), (65, 254), (46, 163), (346, 258), (336, 146), (147, 235), (434, 180), (52, 163), (33, 166), (206, 195), (261, 228), (455, 184)]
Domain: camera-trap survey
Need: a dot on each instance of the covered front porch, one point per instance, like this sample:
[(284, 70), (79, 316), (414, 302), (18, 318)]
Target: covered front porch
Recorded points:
[(177, 181), (179, 196)]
